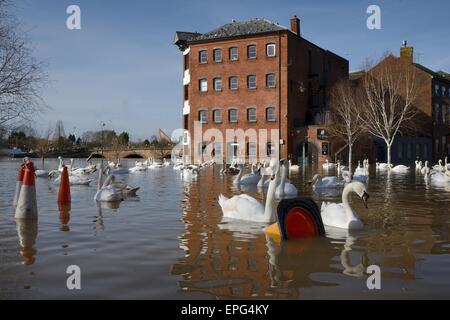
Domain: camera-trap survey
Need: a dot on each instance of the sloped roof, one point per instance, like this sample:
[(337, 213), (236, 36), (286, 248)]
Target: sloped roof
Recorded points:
[(241, 28)]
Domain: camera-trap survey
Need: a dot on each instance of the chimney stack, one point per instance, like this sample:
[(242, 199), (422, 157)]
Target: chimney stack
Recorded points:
[(295, 25), (407, 52)]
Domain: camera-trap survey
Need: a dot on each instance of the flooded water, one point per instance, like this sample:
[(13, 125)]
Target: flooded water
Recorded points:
[(172, 243)]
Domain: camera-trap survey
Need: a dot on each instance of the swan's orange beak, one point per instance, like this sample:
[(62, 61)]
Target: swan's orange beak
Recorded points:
[(365, 197)]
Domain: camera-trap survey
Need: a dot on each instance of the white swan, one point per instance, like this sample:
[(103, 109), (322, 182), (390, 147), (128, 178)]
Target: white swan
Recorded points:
[(418, 165), (41, 173), (328, 165), (341, 215), (250, 178), (106, 192), (285, 188), (74, 180), (138, 167), (91, 168), (319, 182), (244, 207), (424, 169), (346, 175), (293, 167), (382, 166), (439, 166), (437, 177), (400, 169)]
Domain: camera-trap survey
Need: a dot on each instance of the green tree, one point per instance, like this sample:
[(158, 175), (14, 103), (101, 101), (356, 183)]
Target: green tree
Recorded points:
[(124, 138)]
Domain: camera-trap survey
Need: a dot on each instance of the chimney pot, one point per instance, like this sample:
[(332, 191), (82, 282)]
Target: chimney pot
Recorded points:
[(407, 52)]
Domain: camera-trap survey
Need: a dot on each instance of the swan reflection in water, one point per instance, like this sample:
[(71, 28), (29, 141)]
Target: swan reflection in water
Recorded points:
[(27, 231)]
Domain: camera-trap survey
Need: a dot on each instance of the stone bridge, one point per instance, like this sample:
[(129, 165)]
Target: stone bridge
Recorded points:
[(132, 153)]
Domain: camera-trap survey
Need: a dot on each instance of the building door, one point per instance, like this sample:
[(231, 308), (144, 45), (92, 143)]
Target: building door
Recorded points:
[(232, 151), (306, 153)]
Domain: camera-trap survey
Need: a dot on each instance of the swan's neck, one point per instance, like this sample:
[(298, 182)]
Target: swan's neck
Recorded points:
[(100, 173), (269, 210), (239, 176), (345, 201)]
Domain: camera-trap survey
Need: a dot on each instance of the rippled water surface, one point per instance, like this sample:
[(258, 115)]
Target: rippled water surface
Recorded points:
[(171, 243)]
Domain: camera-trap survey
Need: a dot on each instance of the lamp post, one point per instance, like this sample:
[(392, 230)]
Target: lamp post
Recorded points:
[(102, 125)]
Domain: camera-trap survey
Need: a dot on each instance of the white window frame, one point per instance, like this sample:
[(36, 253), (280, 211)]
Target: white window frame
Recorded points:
[(229, 82), (217, 83), (221, 55), (267, 80), (219, 112), (248, 51), (248, 114), (229, 115), (248, 81), (232, 55), (267, 114), (200, 56), (200, 118), (271, 45), (252, 149), (203, 85)]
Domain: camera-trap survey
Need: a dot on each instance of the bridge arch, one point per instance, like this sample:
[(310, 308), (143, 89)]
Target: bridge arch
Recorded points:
[(96, 156), (133, 155)]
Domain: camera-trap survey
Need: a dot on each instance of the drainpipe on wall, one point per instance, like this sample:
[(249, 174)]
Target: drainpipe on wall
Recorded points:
[(279, 93)]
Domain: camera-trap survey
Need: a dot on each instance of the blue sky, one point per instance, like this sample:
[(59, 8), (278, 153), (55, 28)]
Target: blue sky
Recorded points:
[(122, 68)]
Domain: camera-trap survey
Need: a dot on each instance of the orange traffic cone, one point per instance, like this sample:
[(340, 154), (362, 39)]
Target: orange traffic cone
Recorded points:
[(19, 181), (27, 204), (64, 188)]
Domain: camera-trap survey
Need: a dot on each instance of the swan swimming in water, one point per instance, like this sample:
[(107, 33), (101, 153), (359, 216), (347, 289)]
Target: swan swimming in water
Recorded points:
[(328, 165), (341, 215), (400, 169), (244, 207), (325, 182), (285, 188), (106, 192), (250, 178)]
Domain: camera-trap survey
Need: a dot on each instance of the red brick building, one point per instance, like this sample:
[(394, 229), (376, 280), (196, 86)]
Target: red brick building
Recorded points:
[(257, 74), (430, 139)]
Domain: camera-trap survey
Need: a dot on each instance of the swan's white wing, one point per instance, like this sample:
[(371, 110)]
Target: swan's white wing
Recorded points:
[(333, 215), (242, 207)]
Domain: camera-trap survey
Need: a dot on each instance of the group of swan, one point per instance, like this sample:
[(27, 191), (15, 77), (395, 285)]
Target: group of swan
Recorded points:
[(245, 207), (77, 176)]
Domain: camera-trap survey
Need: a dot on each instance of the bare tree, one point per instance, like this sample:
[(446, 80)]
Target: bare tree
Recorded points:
[(44, 144), (346, 103), (390, 89), (21, 76)]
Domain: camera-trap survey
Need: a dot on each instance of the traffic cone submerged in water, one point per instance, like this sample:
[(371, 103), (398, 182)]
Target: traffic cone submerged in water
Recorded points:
[(19, 181), (64, 188), (27, 204)]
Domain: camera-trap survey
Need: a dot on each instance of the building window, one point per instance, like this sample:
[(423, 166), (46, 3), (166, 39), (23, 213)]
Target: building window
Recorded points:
[(448, 114), (233, 53), (217, 151), (436, 113), (217, 84), (251, 149), (251, 82), (217, 116), (251, 51), (409, 151), (232, 115), (270, 50), (203, 85), (400, 151), (436, 89), (270, 149), (270, 114), (417, 150), (202, 116), (186, 92), (444, 114), (217, 55), (436, 145), (203, 56), (425, 151), (233, 83), (270, 80), (251, 114), (186, 61)]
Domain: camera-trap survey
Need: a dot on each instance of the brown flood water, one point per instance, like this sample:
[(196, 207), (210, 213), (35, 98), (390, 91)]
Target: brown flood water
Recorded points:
[(172, 243)]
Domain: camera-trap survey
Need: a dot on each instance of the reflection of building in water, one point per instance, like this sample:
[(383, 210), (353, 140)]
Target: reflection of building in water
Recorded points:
[(234, 259), (27, 231)]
